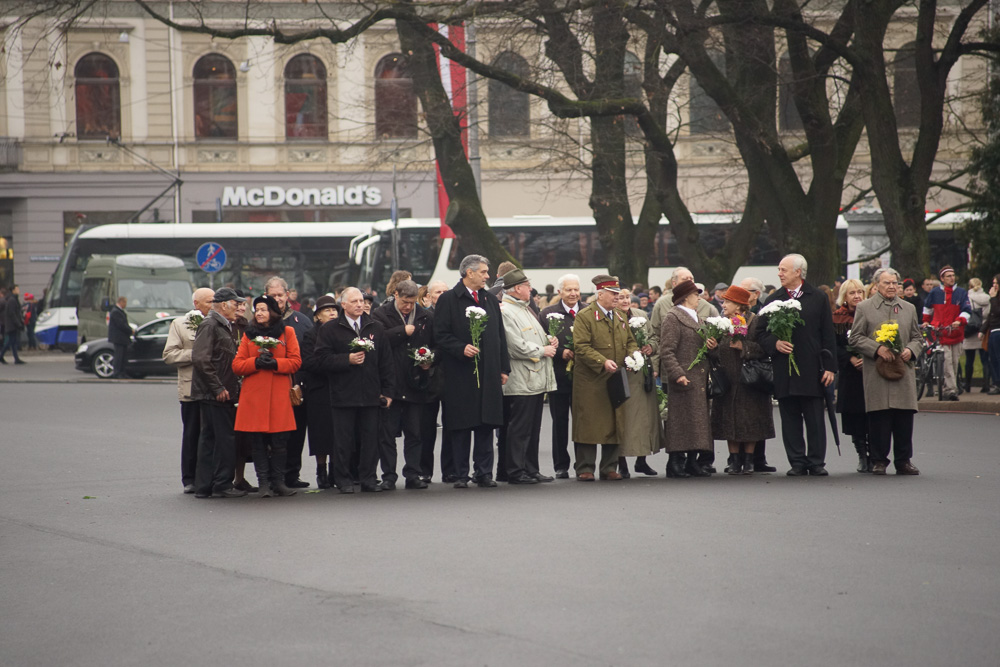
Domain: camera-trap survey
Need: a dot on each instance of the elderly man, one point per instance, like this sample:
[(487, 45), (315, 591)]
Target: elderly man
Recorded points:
[(407, 327), (434, 291), (177, 352), (277, 287), (756, 288), (890, 404), (800, 394), (947, 307), (474, 374), (428, 420), (602, 340), (360, 382), (560, 400), (215, 386), (531, 350)]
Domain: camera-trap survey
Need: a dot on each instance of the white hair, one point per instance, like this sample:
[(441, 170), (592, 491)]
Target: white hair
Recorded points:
[(799, 263), (563, 279), (675, 274), (887, 269), (349, 291), (756, 285), (472, 262), (275, 280)]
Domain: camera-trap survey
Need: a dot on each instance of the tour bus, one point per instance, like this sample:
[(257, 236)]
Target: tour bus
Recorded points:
[(312, 256), (155, 285)]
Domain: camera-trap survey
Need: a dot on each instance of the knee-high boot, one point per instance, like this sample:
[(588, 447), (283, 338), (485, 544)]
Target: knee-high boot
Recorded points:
[(261, 464)]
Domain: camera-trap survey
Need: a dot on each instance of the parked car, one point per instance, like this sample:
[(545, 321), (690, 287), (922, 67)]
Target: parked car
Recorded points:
[(145, 354)]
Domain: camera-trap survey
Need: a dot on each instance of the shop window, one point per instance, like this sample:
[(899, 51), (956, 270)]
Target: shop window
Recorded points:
[(215, 111), (98, 98), (509, 109), (305, 98), (706, 116), (395, 101), (905, 90)]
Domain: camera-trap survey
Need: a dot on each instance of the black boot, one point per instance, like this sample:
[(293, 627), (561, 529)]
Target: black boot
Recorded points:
[(643, 467), (734, 465), (261, 464), (279, 458), (748, 463), (623, 468), (675, 465), (322, 478), (694, 468)]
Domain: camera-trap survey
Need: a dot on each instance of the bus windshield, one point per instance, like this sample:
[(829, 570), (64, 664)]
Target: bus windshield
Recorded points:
[(158, 294)]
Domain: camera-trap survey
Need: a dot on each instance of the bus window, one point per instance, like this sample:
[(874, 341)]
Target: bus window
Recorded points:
[(94, 290), (163, 294)]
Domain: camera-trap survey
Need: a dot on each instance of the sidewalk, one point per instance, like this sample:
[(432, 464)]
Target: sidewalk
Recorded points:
[(974, 402)]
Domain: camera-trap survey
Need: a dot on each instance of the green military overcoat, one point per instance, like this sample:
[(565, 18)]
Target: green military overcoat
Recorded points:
[(596, 339)]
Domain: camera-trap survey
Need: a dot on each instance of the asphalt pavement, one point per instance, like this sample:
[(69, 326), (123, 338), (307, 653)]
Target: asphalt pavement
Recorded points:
[(104, 562)]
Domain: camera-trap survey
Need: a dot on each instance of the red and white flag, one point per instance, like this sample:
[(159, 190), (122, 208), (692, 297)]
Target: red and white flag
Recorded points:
[(453, 79)]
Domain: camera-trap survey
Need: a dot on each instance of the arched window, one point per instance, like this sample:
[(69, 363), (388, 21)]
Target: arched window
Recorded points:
[(395, 101), (632, 81), (706, 116), (905, 91), (305, 97), (509, 109), (215, 115), (98, 98), (788, 114)]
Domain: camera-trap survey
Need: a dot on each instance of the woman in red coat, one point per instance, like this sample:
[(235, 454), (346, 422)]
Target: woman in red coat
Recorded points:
[(265, 407)]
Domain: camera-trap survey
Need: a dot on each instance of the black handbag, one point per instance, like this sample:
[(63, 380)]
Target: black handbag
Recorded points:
[(647, 380), (975, 323), (758, 374), (718, 383)]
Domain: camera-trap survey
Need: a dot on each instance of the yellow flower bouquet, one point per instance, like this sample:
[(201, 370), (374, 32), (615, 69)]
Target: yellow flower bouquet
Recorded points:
[(888, 335)]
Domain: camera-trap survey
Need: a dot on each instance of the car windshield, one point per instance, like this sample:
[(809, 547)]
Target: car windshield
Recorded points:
[(157, 328), (151, 293)]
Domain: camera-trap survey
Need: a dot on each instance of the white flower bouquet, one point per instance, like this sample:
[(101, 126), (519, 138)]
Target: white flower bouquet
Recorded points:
[(714, 327), (362, 344), (555, 321), (193, 319), (638, 327), (782, 318), (636, 362), (477, 324), (266, 342), (421, 355)]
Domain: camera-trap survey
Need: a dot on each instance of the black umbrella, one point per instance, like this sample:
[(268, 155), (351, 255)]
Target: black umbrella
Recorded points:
[(831, 405)]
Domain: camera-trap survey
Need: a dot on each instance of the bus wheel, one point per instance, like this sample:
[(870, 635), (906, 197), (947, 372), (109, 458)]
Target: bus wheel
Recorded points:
[(103, 364)]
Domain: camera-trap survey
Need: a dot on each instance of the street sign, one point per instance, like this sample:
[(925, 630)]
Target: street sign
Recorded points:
[(211, 257)]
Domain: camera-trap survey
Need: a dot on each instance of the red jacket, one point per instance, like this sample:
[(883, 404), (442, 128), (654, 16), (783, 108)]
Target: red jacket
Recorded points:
[(943, 307), (265, 405)]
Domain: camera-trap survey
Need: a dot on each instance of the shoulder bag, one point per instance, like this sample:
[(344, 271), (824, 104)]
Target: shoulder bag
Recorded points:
[(758, 374), (718, 383)]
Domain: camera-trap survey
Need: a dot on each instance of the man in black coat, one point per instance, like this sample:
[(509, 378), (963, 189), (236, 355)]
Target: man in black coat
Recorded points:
[(119, 335), (561, 399), (12, 324), (277, 287), (801, 395), (360, 382), (408, 327), (216, 386), (473, 406), (429, 418)]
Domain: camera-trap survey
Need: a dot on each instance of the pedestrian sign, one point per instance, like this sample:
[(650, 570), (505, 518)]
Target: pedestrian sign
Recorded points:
[(211, 257)]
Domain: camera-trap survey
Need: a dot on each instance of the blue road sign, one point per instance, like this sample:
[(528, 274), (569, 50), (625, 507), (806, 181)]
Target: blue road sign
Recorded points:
[(211, 257)]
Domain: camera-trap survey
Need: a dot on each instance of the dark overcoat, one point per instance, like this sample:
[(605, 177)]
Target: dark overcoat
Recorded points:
[(413, 384), (809, 340), (466, 405), (316, 391), (742, 414), (119, 332), (688, 426), (850, 381), (564, 381), (355, 386)]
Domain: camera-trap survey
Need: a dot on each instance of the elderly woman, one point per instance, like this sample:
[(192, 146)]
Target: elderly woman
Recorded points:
[(265, 408), (639, 417), (743, 415), (316, 391), (850, 382), (688, 426)]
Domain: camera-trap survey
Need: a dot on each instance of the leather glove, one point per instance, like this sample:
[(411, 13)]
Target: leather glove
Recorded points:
[(266, 363)]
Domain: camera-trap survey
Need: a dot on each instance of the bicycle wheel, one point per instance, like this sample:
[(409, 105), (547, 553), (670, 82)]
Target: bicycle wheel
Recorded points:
[(921, 375)]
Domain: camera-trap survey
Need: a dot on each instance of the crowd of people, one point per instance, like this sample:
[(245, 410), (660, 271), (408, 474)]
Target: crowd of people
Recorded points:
[(631, 371)]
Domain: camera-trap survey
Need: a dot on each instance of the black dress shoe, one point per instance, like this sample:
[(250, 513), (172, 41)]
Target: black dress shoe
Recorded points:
[(203, 495), (488, 483), (461, 484), (644, 468), (244, 485), (623, 468), (562, 474), (426, 479), (543, 478), (797, 472), (416, 483), (388, 485), (521, 479), (189, 488), (347, 489), (371, 488), (229, 493), (448, 479), (710, 469), (502, 477), (763, 467), (296, 484), (818, 471)]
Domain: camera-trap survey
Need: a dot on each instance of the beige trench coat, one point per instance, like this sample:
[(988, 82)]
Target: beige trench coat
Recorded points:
[(177, 352), (882, 394), (640, 431), (596, 339)]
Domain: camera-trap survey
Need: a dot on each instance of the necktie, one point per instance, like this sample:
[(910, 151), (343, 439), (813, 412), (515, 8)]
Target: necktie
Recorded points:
[(572, 313), (357, 328), (475, 297)]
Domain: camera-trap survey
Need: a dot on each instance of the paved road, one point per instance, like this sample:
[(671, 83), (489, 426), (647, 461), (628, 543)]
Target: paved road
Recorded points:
[(845, 570)]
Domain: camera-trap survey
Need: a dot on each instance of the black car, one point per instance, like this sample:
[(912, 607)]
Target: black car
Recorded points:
[(145, 354)]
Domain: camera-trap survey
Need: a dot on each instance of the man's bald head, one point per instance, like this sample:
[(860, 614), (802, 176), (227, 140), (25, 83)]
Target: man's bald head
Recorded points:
[(202, 299)]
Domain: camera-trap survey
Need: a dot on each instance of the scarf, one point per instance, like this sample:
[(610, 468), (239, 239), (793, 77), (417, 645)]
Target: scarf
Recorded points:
[(273, 330), (843, 319)]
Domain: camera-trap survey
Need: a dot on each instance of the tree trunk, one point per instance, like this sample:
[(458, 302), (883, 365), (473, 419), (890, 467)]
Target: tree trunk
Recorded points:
[(456, 173)]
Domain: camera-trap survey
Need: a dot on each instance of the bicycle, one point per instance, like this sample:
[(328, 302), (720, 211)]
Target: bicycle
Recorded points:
[(930, 363)]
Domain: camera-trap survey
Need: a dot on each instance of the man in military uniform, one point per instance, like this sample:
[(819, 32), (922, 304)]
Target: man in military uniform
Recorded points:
[(602, 340)]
